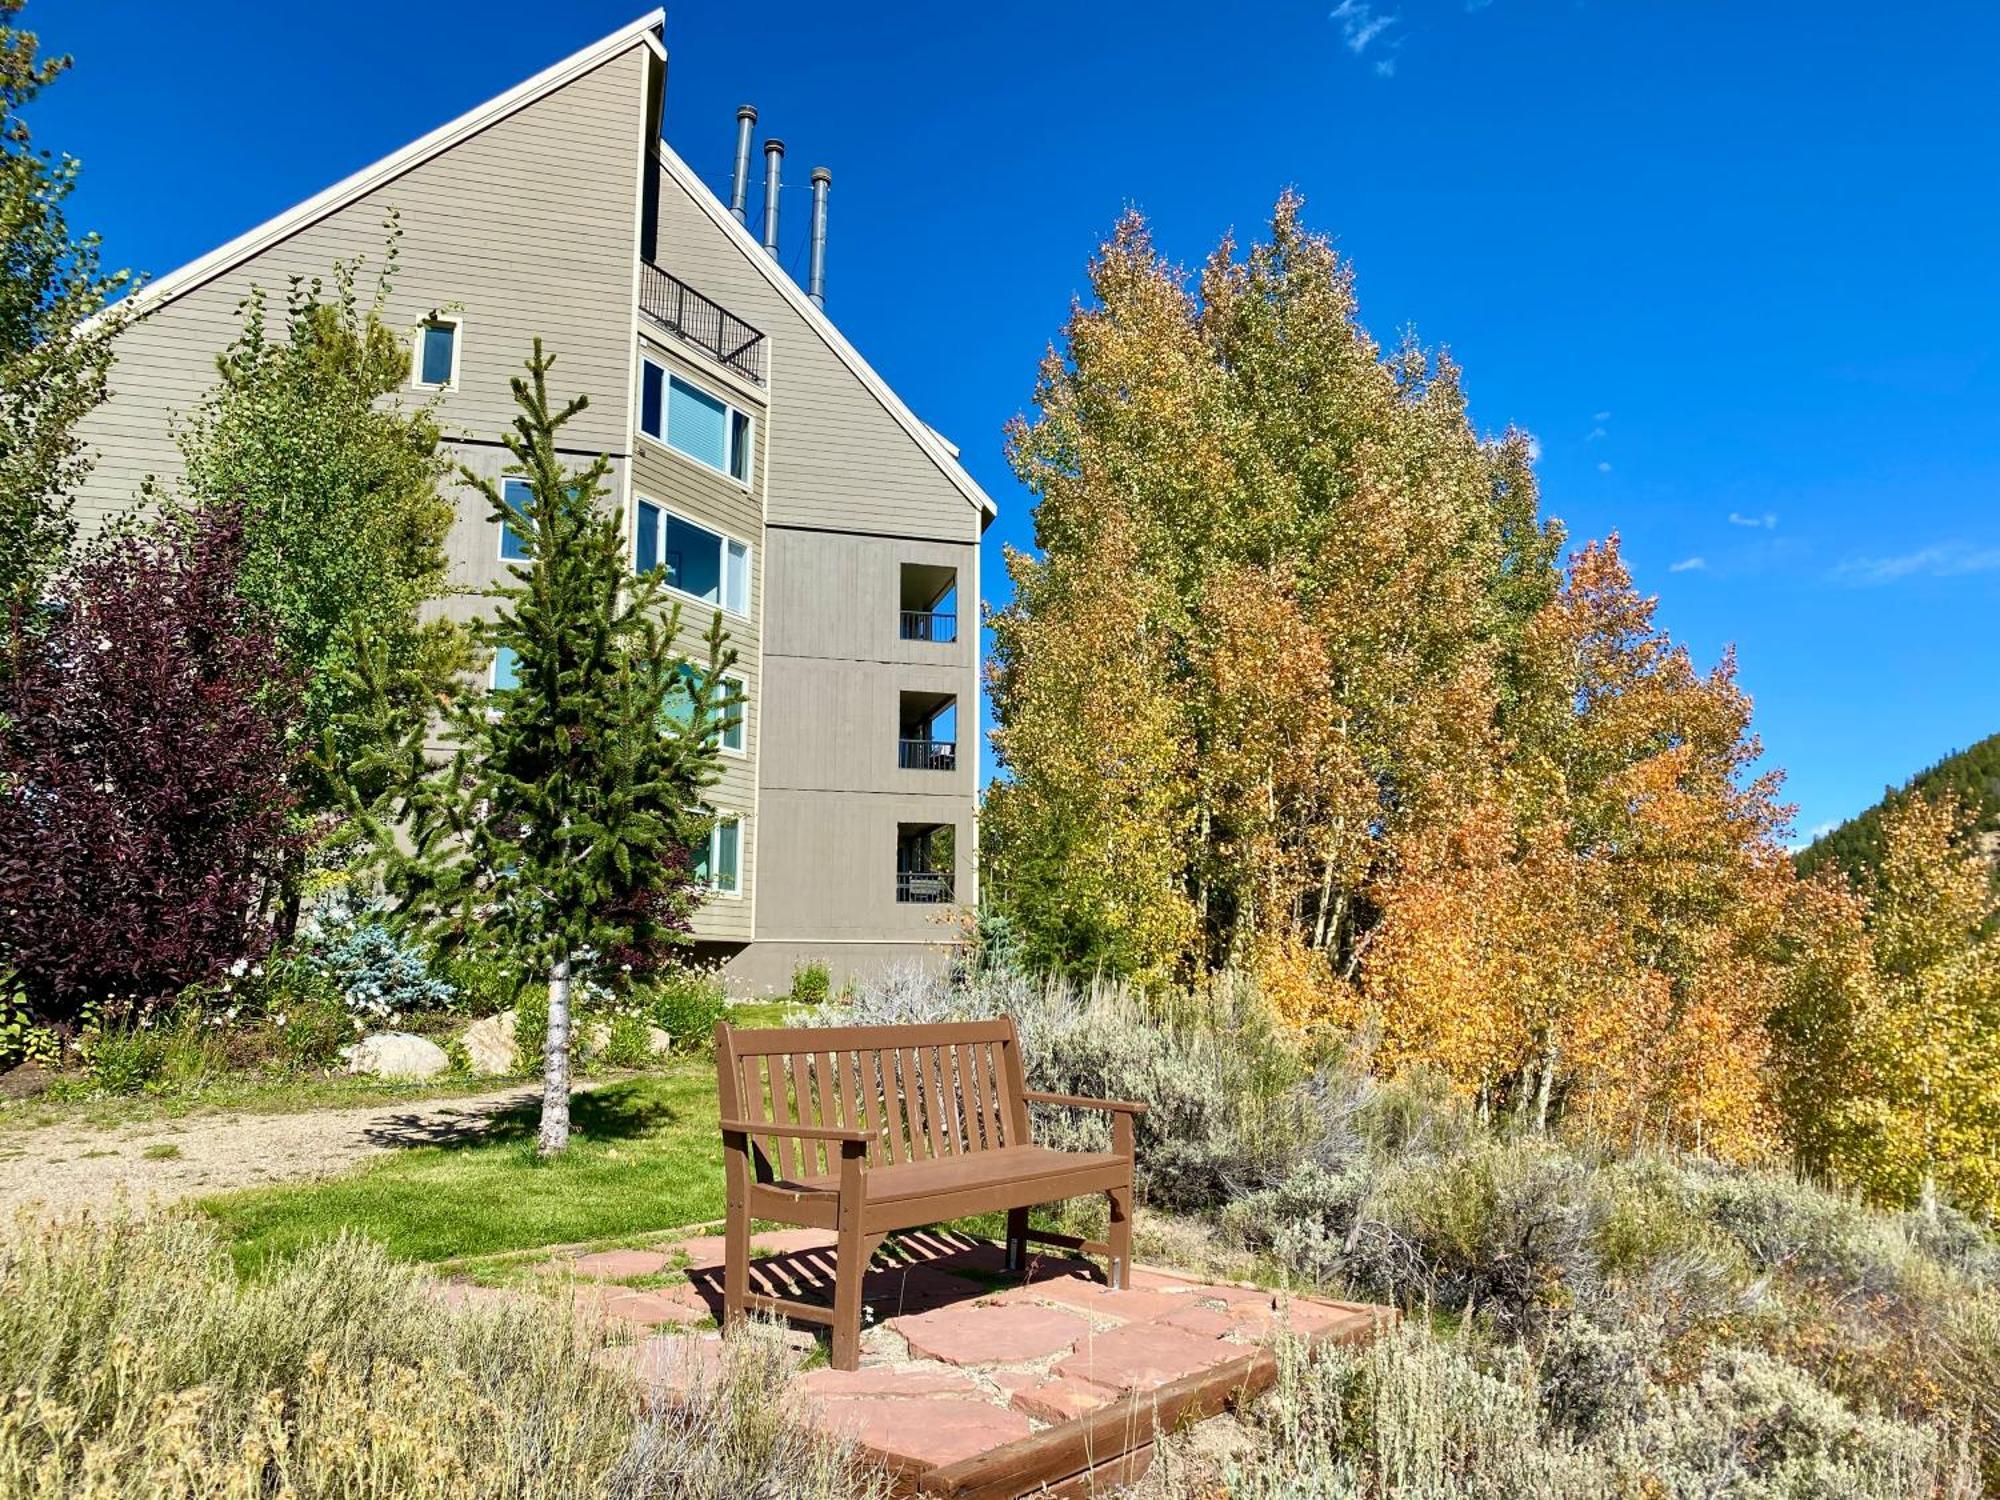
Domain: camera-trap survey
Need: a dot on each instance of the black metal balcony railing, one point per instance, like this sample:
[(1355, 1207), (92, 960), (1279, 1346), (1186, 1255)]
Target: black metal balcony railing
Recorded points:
[(927, 755), (929, 625), (679, 308), (923, 886)]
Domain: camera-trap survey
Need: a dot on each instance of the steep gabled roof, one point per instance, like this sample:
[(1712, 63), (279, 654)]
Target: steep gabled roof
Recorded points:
[(935, 448), (644, 31)]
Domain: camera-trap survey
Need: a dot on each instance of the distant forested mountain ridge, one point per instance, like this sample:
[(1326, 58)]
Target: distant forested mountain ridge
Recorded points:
[(1972, 774)]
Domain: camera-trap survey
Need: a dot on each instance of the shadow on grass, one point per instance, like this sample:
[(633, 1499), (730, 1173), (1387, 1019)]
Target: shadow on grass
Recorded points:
[(615, 1112)]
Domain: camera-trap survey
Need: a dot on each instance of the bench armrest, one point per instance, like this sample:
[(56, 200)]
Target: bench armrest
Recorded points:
[(1072, 1101), (796, 1132)]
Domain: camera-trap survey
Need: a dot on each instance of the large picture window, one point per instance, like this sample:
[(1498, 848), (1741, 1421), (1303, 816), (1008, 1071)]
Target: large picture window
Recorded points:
[(698, 562), (694, 423)]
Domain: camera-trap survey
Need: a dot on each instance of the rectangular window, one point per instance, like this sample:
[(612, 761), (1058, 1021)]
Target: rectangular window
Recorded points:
[(694, 423), (506, 669), (520, 498), (700, 563), (733, 699), (717, 864), (434, 361)]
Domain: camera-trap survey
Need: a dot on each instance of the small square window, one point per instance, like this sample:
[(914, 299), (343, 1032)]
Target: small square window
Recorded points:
[(520, 498), (434, 361)]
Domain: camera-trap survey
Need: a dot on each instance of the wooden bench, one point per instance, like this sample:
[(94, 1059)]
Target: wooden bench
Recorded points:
[(865, 1130)]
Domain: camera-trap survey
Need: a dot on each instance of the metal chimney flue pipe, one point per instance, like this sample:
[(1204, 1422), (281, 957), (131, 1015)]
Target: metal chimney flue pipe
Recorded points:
[(774, 153), (739, 185), (816, 281)]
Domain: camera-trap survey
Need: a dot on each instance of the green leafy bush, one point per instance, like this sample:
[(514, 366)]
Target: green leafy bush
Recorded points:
[(686, 1003), (122, 1059), (482, 984), (626, 1041), (811, 984)]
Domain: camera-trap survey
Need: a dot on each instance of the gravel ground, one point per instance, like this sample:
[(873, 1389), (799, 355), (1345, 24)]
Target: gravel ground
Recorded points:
[(73, 1165)]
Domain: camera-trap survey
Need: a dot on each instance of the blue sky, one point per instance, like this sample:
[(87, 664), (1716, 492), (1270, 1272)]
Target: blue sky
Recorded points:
[(1733, 265)]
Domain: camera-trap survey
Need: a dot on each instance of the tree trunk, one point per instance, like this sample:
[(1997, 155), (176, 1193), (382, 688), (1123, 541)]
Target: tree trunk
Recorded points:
[(1547, 1084), (555, 1064)]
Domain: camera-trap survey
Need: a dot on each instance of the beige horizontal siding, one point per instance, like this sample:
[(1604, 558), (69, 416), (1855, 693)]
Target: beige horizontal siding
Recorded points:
[(838, 458), (527, 227)]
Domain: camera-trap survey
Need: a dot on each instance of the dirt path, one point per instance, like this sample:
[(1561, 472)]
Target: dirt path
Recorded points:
[(71, 1165)]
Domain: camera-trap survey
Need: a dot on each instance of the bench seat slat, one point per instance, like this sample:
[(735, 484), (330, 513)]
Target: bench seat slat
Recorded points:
[(946, 1174)]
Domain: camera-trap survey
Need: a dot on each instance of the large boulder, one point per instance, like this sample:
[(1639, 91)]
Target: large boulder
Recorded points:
[(489, 1044), (396, 1054)]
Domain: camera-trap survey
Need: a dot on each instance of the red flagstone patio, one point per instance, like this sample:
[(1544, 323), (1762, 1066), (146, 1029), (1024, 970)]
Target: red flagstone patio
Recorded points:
[(974, 1381)]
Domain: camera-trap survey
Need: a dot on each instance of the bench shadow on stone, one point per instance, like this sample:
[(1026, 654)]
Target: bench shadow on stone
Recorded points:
[(913, 1272)]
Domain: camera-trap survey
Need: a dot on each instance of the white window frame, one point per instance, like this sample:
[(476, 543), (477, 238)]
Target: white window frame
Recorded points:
[(722, 562), (493, 672), (668, 374), (742, 723), (715, 855), (457, 326)]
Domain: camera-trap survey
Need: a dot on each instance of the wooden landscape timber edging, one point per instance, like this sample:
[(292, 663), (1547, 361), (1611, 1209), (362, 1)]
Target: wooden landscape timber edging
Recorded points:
[(1115, 1444)]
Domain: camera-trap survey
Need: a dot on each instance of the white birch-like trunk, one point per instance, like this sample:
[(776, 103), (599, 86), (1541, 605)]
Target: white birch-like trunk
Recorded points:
[(555, 1064)]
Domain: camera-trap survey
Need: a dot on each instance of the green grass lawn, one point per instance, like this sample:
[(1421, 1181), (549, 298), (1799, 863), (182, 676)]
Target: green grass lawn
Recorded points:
[(646, 1155)]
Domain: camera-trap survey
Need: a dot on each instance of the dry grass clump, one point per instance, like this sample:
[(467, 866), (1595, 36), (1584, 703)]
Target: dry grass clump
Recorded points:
[(135, 1364)]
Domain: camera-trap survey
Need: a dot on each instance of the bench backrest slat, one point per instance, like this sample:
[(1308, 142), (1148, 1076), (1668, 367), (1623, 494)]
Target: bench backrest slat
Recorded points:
[(920, 1092)]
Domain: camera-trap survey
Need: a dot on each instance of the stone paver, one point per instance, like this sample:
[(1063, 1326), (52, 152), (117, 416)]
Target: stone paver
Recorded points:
[(1140, 1356), (1050, 1398), (926, 1433), (675, 1304), (995, 1334), (885, 1380), (951, 1367), (673, 1365), (1208, 1322), (616, 1265)]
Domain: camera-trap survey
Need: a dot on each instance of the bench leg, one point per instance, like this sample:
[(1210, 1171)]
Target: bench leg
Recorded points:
[(1119, 1273), (850, 1265), (1017, 1241), (735, 1265)]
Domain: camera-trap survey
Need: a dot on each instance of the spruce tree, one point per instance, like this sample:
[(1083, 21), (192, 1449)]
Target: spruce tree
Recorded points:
[(558, 832)]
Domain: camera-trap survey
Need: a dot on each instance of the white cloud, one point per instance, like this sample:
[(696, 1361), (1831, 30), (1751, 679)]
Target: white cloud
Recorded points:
[(1360, 24), (1766, 522), (1603, 468), (1596, 435), (1689, 565), (1941, 560), (1386, 68), (1534, 449), (1602, 416)]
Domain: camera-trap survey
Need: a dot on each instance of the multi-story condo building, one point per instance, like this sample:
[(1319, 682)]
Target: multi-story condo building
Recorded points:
[(756, 456)]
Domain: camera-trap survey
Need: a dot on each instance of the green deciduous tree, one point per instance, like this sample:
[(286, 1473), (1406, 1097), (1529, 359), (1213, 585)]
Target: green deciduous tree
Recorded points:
[(559, 829), (54, 358), (339, 484)]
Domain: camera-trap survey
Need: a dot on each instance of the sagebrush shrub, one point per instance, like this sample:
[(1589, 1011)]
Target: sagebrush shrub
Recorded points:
[(135, 1363)]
